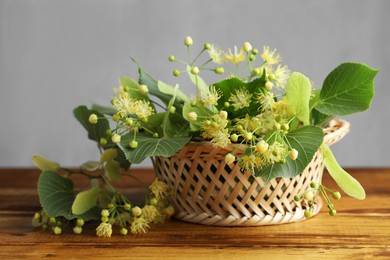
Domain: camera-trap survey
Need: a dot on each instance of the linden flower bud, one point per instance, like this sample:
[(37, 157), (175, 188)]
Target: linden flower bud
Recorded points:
[(93, 119), (80, 222), (219, 70), (332, 212), (251, 57), (176, 73), (129, 121), (309, 195), (57, 230), (127, 207), (137, 211), (105, 213), (256, 72), (255, 51), (269, 85), (171, 58), (192, 116), (262, 146), (124, 231), (116, 118), (247, 47), (188, 41), (230, 158), (172, 109), (115, 138), (297, 198), (314, 185), (143, 89), (207, 46), (104, 230), (226, 104), (77, 230), (223, 115), (133, 144), (195, 70), (336, 195), (308, 213), (153, 202), (248, 136), (169, 211), (234, 137), (293, 154), (103, 141)]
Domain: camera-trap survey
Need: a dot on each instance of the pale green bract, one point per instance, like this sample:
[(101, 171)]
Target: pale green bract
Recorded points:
[(345, 181)]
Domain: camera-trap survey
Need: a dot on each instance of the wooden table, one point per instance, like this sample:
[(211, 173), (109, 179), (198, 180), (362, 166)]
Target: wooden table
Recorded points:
[(361, 229)]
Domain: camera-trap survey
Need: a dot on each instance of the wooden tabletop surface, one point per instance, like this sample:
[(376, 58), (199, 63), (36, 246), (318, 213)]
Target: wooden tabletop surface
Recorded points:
[(360, 230)]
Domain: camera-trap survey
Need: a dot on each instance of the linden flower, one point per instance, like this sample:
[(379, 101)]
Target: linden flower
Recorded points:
[(216, 54), (240, 99), (275, 153), (235, 57), (221, 139), (149, 213), (281, 76), (210, 98), (139, 225), (122, 101), (142, 109), (248, 123), (104, 230), (159, 189), (270, 57), (251, 162), (266, 100)]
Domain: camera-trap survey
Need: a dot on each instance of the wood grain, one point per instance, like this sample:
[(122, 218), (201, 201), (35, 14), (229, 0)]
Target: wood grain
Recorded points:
[(361, 229)]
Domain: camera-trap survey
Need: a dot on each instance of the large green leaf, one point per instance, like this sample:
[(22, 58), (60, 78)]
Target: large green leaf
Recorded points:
[(306, 141), (149, 146), (56, 196), (348, 89), (345, 181), (95, 131), (85, 201), (298, 92)]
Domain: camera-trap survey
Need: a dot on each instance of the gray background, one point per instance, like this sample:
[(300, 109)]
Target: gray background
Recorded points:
[(55, 55)]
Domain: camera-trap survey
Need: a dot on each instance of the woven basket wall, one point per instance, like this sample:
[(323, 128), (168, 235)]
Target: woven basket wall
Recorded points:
[(208, 191)]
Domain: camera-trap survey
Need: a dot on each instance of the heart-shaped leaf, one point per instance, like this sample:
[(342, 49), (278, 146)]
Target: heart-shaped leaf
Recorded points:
[(306, 141)]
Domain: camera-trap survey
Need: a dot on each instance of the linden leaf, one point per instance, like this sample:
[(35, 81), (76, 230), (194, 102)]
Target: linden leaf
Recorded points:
[(149, 146), (306, 141), (347, 89)]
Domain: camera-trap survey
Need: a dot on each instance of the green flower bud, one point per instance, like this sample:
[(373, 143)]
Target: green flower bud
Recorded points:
[(37, 215), (105, 213), (155, 135), (247, 47), (271, 77), (336, 195), (172, 109), (309, 195), (126, 89), (57, 230), (80, 222), (269, 85), (176, 73), (234, 137), (219, 70), (314, 185), (171, 58), (123, 231), (133, 144), (116, 118), (195, 70), (77, 230), (111, 206), (137, 211), (251, 57), (230, 158), (256, 72), (115, 138), (332, 212), (255, 51), (192, 116), (109, 132), (226, 104), (127, 207), (104, 219), (308, 213), (169, 211), (143, 89), (153, 201), (52, 220), (297, 198), (188, 41), (285, 127), (293, 154), (207, 46), (93, 119), (103, 141)]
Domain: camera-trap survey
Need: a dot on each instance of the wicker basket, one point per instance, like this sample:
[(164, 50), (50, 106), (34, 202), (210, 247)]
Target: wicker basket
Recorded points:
[(210, 192)]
